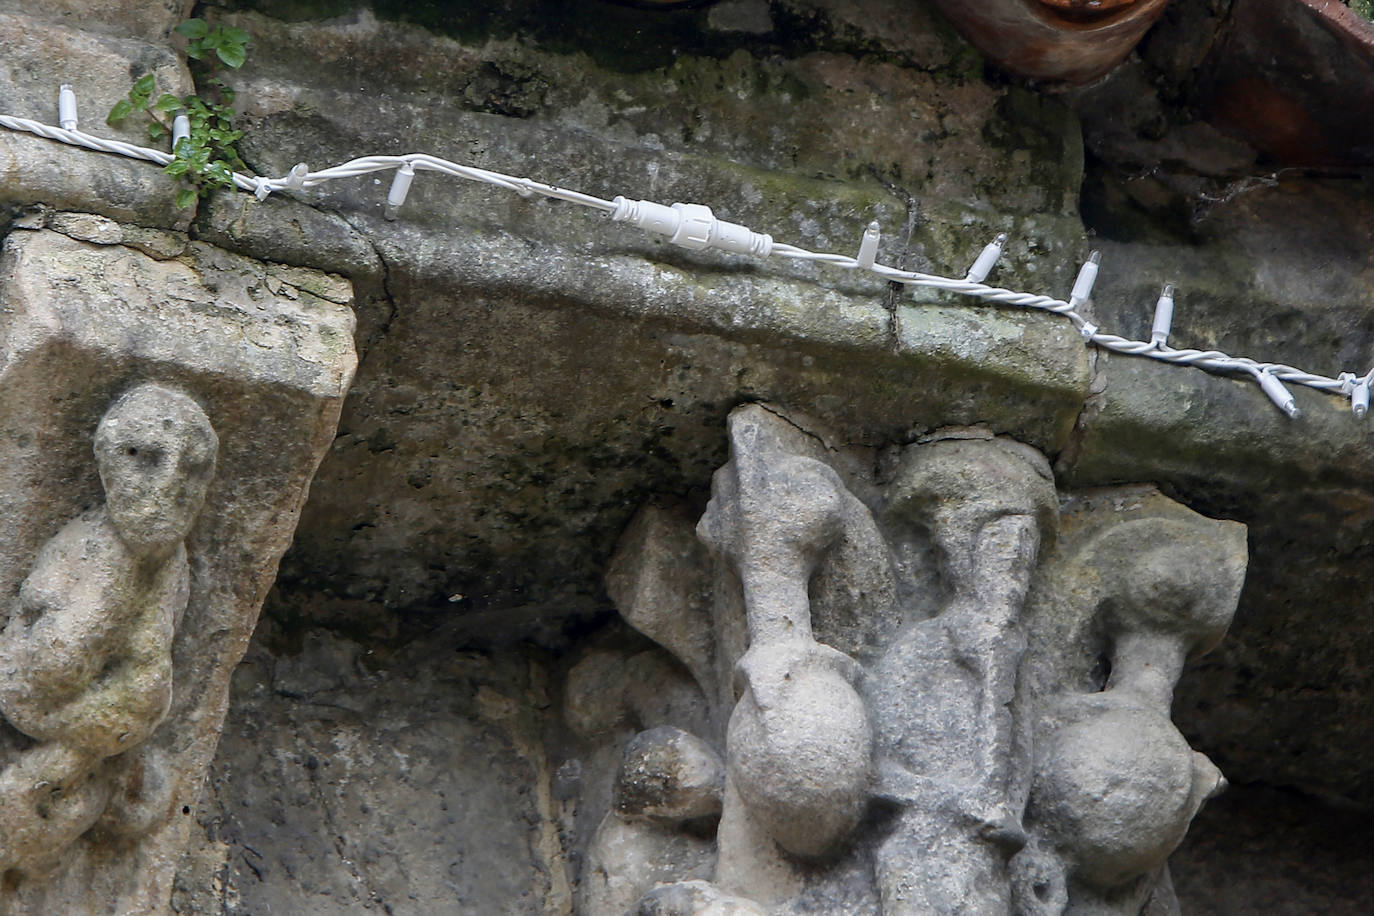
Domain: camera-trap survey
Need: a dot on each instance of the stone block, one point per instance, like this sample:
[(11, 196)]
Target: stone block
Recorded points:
[(1154, 421)]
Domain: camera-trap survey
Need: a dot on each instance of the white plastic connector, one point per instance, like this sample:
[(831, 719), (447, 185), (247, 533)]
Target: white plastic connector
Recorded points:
[(66, 107), (181, 129), (1359, 398), (1089, 331), (1164, 317), (295, 179), (868, 245), (692, 226), (983, 265), (400, 187), (1087, 276), (1280, 395)]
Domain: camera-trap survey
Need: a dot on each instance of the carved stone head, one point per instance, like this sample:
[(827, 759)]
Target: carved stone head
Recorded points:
[(155, 449)]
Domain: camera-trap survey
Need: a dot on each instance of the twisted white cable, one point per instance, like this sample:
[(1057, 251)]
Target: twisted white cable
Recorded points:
[(694, 226)]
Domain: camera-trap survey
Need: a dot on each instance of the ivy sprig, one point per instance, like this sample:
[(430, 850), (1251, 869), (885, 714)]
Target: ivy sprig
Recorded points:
[(206, 159), (228, 43)]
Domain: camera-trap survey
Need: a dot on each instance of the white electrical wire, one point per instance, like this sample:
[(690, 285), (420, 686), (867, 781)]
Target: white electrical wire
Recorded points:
[(694, 226)]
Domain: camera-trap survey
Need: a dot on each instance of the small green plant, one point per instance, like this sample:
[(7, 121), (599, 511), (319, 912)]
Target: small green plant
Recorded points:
[(1364, 7), (206, 159)]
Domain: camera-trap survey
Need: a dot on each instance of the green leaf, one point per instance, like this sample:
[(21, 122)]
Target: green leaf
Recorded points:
[(177, 167), (156, 131), (144, 87), (193, 28), (185, 197), (236, 35), (232, 55), (168, 103), (121, 110)]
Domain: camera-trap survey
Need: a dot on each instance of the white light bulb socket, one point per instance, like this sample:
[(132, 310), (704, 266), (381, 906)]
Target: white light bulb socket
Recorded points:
[(986, 259), (400, 187), (66, 107), (181, 129), (1164, 317), (1280, 395), (295, 179), (868, 246), (691, 226), (1359, 399), (1087, 276)]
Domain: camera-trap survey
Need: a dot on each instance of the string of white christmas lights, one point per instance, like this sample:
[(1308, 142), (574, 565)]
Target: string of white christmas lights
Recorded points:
[(695, 227)]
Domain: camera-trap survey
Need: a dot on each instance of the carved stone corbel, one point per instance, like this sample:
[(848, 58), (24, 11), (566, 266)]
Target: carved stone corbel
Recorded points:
[(131, 574), (937, 685)]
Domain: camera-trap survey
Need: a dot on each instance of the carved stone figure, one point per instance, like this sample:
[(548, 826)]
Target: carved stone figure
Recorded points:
[(799, 748), (86, 656), (936, 685), (946, 685), (1115, 785), (124, 608)]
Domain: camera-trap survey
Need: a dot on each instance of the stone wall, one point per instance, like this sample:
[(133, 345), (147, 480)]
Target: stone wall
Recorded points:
[(459, 649)]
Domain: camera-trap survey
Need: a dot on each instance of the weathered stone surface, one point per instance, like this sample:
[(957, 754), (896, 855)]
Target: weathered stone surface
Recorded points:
[(670, 775), (1271, 266), (1266, 851), (152, 21), (799, 744), (688, 898), (474, 274), (36, 174), (120, 638), (427, 791)]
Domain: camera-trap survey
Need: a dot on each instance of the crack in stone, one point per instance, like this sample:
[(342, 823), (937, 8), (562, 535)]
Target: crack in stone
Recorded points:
[(893, 294), (1068, 456)]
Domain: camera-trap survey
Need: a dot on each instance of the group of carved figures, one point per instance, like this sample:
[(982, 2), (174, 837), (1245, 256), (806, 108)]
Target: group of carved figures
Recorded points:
[(939, 686), (86, 649), (931, 686)]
